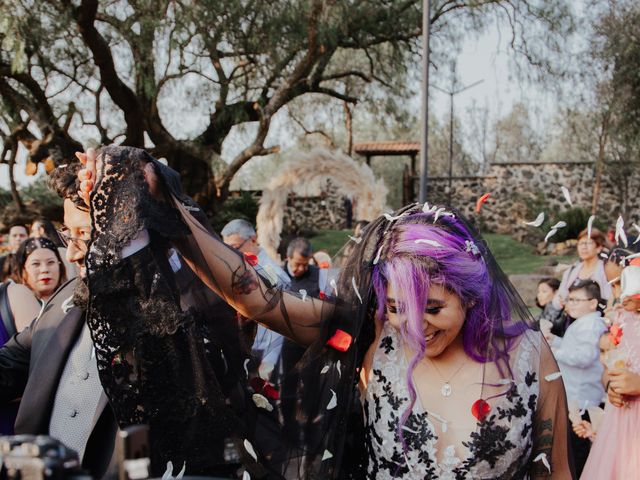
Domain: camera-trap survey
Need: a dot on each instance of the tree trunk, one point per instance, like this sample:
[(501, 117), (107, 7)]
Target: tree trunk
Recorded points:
[(349, 126), (15, 195)]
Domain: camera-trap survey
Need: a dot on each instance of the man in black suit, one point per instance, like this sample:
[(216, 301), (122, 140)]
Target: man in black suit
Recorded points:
[(51, 364)]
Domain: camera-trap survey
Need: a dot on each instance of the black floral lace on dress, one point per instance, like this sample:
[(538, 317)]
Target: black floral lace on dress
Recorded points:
[(500, 448)]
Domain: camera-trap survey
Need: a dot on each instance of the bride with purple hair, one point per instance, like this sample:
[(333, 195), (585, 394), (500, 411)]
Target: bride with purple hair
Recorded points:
[(423, 363)]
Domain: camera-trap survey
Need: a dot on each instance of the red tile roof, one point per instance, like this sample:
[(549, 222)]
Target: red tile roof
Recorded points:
[(387, 148)]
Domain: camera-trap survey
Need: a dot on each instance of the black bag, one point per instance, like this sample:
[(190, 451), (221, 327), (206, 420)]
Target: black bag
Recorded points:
[(5, 310)]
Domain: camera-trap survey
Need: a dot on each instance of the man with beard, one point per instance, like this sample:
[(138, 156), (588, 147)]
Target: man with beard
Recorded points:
[(52, 364)]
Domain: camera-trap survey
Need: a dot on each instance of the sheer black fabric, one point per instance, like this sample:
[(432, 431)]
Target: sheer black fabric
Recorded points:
[(172, 355)]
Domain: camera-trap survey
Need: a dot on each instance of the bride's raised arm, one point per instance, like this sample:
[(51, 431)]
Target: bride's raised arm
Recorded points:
[(228, 274)]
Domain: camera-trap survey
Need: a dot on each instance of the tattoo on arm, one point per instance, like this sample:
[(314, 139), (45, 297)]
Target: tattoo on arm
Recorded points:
[(244, 283), (543, 443)]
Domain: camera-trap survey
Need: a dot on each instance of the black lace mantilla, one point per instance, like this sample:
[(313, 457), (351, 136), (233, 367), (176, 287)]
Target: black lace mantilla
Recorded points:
[(177, 369)]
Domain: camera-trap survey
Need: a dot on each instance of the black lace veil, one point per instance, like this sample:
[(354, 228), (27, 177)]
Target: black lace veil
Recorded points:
[(173, 354)]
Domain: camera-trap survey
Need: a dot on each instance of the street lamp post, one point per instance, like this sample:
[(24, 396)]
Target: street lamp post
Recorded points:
[(424, 150), (453, 92)]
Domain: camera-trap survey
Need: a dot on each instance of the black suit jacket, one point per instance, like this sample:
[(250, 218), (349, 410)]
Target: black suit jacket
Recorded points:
[(31, 364)]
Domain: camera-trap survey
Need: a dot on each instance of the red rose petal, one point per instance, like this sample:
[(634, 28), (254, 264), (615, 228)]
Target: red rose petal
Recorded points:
[(615, 334), (341, 341), (270, 391), (480, 409), (481, 201), (257, 384), (251, 258)]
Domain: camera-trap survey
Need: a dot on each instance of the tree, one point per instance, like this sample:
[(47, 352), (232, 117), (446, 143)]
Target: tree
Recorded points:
[(71, 70), (515, 138)]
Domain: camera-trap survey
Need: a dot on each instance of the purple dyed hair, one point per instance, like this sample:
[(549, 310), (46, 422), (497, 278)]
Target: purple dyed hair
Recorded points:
[(419, 252)]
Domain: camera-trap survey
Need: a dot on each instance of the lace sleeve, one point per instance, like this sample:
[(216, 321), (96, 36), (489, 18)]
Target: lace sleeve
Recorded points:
[(551, 424)]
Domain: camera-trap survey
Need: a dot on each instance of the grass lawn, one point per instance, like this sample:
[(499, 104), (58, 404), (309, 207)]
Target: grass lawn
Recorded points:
[(515, 257), (512, 256)]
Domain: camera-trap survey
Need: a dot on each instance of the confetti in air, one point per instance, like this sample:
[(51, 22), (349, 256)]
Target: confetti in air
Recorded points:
[(426, 241), (339, 368), (249, 448), (377, 259), (355, 288), (558, 225), (551, 233), (567, 195), (428, 209), (590, 225), (620, 233), (333, 403), (324, 370), (481, 201), (543, 458), (553, 376), (262, 402), (334, 286), (391, 218), (246, 369), (326, 455), (638, 236), (537, 222)]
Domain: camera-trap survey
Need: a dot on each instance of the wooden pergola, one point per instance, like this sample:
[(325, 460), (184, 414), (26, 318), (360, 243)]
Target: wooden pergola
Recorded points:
[(394, 149)]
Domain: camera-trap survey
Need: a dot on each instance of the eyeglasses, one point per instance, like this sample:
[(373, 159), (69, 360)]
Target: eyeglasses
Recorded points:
[(578, 300), (66, 239), (587, 243)]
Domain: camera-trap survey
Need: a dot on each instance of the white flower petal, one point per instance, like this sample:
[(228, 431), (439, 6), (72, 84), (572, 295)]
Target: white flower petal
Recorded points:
[(567, 195), (249, 448), (326, 455), (538, 221), (426, 241), (543, 458), (551, 233), (262, 402), (324, 370), (355, 287), (553, 376), (334, 286), (590, 225), (558, 225), (620, 233), (377, 259), (333, 403)]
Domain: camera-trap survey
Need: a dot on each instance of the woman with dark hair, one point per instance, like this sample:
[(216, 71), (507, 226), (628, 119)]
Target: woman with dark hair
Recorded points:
[(39, 266), (454, 381), (42, 227)]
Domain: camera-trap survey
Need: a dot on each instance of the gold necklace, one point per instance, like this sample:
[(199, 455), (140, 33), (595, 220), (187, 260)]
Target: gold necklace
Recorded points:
[(446, 389)]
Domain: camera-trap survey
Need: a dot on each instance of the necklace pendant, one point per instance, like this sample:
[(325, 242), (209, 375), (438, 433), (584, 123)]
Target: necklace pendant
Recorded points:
[(446, 390)]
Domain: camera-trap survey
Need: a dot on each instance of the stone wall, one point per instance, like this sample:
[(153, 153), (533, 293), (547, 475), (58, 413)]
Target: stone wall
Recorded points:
[(519, 190), (303, 215)]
